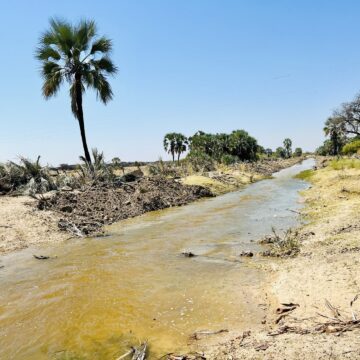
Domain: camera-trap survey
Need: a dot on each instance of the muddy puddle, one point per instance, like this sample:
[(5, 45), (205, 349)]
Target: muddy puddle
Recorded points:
[(96, 297)]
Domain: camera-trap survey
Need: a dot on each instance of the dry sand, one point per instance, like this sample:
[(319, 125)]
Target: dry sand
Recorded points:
[(21, 225)]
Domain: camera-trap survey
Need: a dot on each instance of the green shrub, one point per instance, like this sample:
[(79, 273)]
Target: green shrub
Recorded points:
[(200, 161), (297, 152), (351, 148), (342, 164), (229, 159)]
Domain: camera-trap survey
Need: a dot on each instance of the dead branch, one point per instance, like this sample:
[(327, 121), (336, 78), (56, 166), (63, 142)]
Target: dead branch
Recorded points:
[(196, 335), (140, 352), (130, 352)]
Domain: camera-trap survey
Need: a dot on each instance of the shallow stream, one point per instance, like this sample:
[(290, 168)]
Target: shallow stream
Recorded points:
[(97, 297)]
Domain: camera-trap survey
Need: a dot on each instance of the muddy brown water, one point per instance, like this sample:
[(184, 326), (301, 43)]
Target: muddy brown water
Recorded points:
[(96, 297)]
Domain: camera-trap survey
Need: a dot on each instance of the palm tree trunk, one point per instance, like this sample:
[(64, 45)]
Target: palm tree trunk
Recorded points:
[(80, 116), (178, 159), (173, 155)]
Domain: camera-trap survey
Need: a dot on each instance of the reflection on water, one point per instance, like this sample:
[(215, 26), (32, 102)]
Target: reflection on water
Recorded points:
[(99, 296)]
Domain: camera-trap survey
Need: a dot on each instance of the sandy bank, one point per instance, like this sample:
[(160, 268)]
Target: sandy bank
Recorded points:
[(231, 178), (22, 225), (327, 269)]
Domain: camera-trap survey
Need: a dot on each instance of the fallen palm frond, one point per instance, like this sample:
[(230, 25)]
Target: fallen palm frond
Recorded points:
[(27, 178)]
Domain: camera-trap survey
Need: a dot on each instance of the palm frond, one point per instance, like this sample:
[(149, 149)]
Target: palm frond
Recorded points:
[(47, 52), (102, 45), (63, 35), (104, 64), (84, 33), (101, 85), (52, 73)]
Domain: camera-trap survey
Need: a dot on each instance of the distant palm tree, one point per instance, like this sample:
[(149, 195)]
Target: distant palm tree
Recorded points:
[(334, 128), (76, 55), (175, 143), (287, 146), (180, 145)]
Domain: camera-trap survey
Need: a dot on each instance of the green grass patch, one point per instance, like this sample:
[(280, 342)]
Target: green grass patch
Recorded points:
[(305, 175), (341, 164)]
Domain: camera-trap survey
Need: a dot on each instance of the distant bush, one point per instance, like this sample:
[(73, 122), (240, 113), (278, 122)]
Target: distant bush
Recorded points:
[(325, 149), (297, 152), (352, 147), (200, 162), (280, 152), (163, 168)]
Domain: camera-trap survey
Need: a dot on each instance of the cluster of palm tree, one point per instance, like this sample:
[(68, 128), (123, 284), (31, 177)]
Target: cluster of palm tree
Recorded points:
[(341, 128), (223, 148), (175, 144)]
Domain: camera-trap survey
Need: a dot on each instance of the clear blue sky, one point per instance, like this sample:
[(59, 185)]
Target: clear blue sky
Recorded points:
[(274, 68)]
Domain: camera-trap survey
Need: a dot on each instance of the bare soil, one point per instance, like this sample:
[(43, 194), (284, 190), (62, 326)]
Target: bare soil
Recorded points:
[(22, 225)]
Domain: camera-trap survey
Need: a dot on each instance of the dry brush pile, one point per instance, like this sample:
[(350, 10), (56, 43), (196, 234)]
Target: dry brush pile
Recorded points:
[(86, 211)]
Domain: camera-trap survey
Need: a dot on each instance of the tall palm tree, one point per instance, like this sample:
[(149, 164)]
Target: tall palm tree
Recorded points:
[(287, 146), (334, 128), (181, 142), (76, 54), (175, 143), (170, 144)]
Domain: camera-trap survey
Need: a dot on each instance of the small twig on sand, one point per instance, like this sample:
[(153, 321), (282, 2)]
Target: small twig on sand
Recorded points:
[(130, 352), (197, 334), (294, 211), (41, 257)]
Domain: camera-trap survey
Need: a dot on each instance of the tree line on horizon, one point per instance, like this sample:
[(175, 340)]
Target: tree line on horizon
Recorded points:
[(223, 148)]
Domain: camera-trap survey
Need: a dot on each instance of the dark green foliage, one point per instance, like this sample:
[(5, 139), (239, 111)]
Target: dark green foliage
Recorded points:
[(280, 152), (334, 128), (175, 144), (237, 146), (297, 152), (200, 161), (74, 54), (229, 159), (287, 147), (352, 147)]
